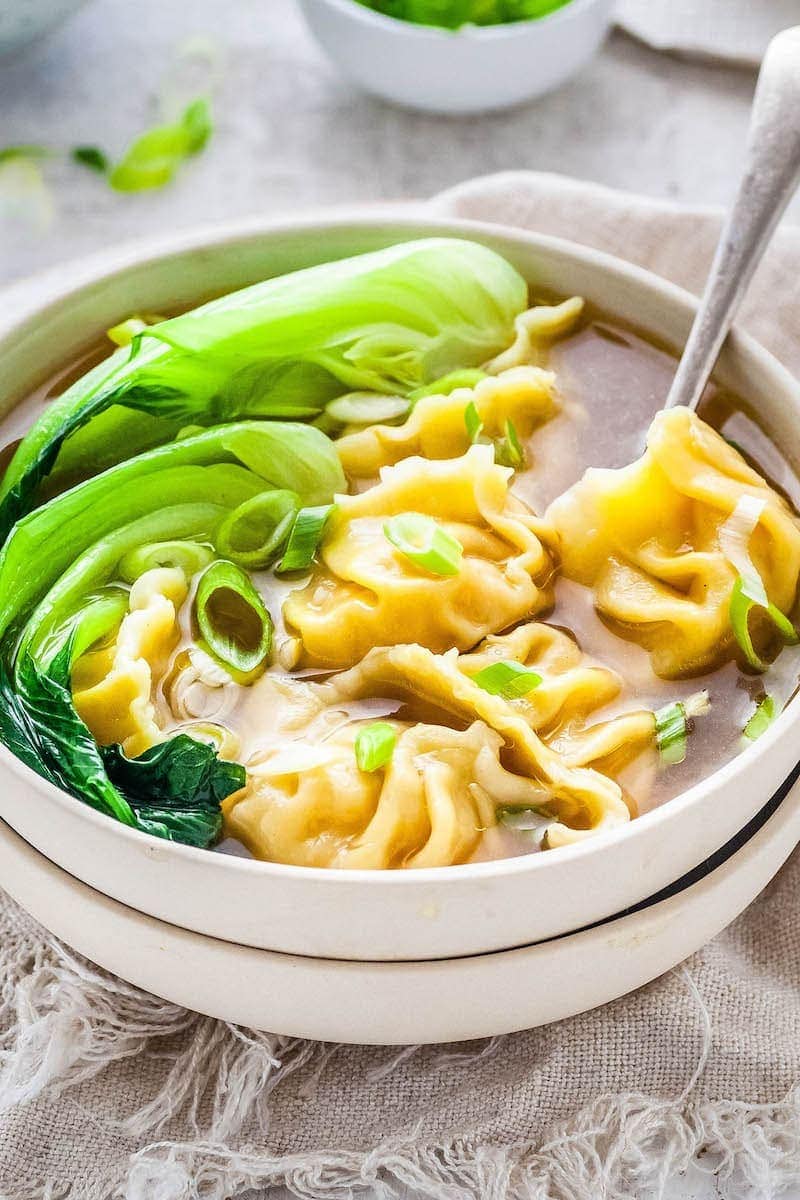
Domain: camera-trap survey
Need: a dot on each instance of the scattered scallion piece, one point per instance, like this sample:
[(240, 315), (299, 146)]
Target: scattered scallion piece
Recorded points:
[(507, 679), (762, 718), (232, 617), (29, 152), (467, 377), (374, 745), (190, 557), (305, 537), (672, 726), (154, 157), (508, 451), (473, 422), (367, 408), (253, 534), (748, 591), (124, 333), (92, 157), (425, 543), (744, 598)]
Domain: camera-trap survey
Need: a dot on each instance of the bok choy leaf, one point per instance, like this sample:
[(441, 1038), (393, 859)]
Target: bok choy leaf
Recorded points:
[(390, 321)]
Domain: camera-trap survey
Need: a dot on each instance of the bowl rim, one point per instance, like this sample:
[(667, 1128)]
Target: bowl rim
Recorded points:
[(352, 9), (104, 267)]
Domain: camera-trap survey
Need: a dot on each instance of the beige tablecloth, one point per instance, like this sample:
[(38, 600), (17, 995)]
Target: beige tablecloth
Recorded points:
[(734, 30), (104, 1089)]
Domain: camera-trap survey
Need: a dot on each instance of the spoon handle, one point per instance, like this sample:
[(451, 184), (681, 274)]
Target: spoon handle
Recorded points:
[(771, 175)]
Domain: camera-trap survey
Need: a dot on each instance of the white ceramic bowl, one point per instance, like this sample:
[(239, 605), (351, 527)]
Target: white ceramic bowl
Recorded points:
[(402, 1003), (23, 21), (469, 70), (412, 915)]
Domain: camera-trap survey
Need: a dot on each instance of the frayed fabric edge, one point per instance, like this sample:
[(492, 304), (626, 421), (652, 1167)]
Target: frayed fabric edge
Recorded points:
[(616, 1148)]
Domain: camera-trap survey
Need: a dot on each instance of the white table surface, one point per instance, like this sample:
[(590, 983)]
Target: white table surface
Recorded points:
[(290, 135)]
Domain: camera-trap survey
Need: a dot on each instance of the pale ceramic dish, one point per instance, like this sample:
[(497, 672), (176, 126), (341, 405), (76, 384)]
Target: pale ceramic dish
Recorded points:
[(400, 1003), (469, 70), (393, 915)]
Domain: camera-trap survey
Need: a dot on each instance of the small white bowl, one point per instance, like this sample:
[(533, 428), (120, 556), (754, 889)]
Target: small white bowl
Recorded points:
[(469, 70)]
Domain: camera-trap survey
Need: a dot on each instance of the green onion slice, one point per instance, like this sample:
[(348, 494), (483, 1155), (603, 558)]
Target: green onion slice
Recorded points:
[(367, 408), (425, 543), (124, 333), (766, 712), (232, 617), (374, 745), (305, 537), (508, 451), (473, 422), (672, 726), (466, 378), (92, 157), (507, 679), (744, 598), (253, 535), (189, 557), (154, 157)]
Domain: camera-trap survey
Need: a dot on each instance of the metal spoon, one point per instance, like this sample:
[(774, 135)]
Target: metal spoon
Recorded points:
[(771, 175)]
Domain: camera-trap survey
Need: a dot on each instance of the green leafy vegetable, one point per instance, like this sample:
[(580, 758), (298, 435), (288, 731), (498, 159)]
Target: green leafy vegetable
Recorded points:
[(215, 471), (306, 534), (389, 321), (253, 535), (766, 712), (154, 157), (92, 157), (232, 617), (425, 543), (374, 745), (507, 679), (178, 786), (452, 14)]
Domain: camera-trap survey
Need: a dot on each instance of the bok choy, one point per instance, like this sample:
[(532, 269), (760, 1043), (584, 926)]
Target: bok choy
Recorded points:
[(390, 321)]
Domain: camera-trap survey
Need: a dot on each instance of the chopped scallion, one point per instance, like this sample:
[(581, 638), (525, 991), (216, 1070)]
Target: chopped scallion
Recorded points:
[(507, 679), (366, 408), (190, 557), (124, 333), (532, 819), (305, 536), (232, 617), (762, 718), (466, 378), (744, 598), (374, 745), (92, 157), (672, 726), (425, 543), (154, 157), (508, 450), (253, 534), (473, 422)]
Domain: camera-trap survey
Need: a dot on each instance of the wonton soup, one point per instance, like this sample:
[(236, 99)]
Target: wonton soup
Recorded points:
[(369, 566)]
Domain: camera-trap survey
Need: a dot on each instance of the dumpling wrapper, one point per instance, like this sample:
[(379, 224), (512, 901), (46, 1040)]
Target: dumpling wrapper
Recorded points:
[(517, 768), (366, 593), (436, 427), (646, 538), (112, 688)]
